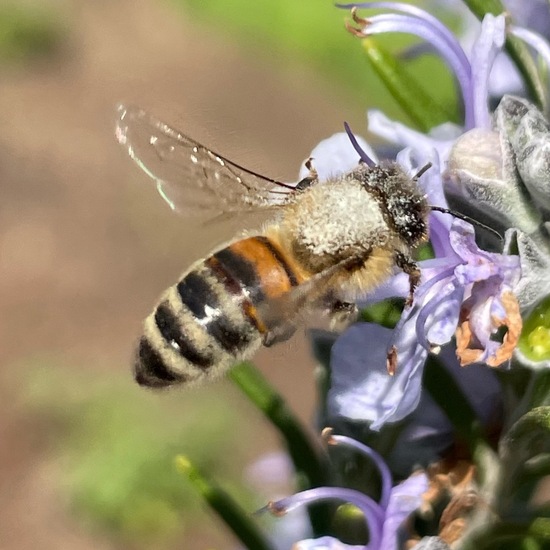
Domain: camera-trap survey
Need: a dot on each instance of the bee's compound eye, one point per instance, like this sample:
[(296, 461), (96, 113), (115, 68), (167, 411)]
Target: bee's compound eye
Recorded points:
[(149, 368)]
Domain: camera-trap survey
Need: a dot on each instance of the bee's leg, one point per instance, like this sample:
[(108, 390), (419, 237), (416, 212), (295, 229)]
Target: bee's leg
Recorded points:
[(342, 314), (278, 334), (409, 266), (310, 179)]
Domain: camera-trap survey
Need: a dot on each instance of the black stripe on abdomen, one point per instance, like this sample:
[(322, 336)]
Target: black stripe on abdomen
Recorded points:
[(232, 285), (197, 294), (150, 369), (243, 271), (172, 332)]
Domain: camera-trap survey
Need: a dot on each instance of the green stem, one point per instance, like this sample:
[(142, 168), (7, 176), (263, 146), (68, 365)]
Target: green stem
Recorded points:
[(237, 519), (310, 462), (421, 108)]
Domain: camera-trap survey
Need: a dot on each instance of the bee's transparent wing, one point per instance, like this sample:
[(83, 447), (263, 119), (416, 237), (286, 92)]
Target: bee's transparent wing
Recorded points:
[(282, 314), (190, 177)]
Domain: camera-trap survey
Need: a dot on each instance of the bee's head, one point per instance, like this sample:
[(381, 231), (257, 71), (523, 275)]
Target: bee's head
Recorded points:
[(409, 215), (403, 205)]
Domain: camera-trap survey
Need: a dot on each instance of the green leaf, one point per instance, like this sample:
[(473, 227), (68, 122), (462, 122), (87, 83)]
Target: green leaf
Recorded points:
[(529, 436), (28, 31), (523, 449), (309, 459), (533, 535), (385, 313), (420, 106), (237, 519)]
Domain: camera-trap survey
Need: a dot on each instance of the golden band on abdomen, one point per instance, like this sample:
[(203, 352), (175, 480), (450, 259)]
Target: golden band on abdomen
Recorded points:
[(208, 321)]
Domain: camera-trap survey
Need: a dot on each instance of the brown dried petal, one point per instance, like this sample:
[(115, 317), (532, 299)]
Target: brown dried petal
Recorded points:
[(466, 343)]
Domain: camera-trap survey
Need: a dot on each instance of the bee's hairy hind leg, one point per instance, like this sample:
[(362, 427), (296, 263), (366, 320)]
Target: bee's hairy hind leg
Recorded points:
[(275, 335), (342, 314), (410, 267)]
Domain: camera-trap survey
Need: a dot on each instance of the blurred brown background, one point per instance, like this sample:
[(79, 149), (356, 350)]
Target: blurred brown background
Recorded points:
[(86, 246)]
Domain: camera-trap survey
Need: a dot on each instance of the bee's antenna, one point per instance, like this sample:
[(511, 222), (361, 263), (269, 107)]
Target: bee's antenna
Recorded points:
[(362, 155), (422, 170), (466, 219)]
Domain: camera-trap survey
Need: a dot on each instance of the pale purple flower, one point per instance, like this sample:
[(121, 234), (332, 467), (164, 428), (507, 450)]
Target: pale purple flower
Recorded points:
[(362, 391), (384, 518), (463, 288), (336, 155), (464, 291), (533, 16), (471, 72)]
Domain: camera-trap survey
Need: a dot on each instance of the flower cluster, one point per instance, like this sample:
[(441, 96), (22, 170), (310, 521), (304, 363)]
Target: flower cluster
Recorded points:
[(384, 518), (453, 389), (469, 305)]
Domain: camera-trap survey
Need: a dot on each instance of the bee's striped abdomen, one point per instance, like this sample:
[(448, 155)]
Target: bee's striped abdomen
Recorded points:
[(209, 320)]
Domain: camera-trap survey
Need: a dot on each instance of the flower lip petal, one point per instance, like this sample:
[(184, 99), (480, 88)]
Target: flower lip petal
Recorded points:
[(370, 394), (445, 312), (405, 498), (324, 543)]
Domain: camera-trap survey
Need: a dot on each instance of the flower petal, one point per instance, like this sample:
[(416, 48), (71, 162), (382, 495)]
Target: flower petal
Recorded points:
[(405, 499), (488, 44), (325, 543), (358, 370), (336, 155), (361, 388), (440, 138)]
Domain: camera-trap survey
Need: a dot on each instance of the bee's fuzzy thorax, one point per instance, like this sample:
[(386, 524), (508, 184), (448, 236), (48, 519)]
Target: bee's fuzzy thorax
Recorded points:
[(333, 221)]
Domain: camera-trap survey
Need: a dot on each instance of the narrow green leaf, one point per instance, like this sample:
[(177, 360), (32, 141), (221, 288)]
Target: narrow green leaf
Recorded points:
[(530, 435), (541, 389), (421, 108), (237, 519), (517, 49), (309, 459)]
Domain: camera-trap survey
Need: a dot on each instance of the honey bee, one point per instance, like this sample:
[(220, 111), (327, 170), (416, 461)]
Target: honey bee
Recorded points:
[(328, 243)]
